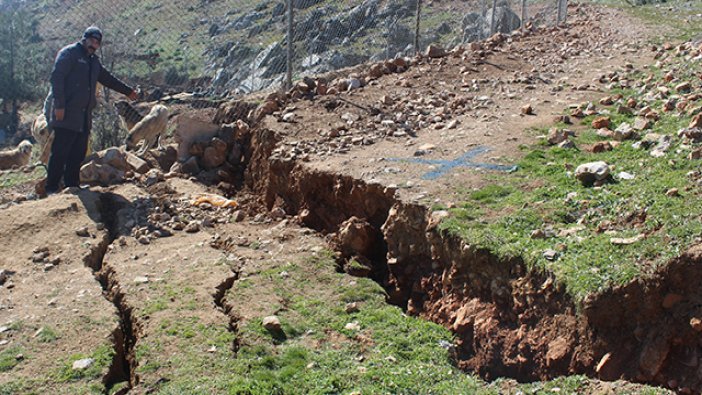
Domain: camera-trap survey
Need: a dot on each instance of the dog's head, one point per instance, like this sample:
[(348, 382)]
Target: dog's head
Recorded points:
[(25, 147), (129, 142)]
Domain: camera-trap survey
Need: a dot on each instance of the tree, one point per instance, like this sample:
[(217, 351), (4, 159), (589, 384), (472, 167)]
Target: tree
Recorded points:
[(21, 61)]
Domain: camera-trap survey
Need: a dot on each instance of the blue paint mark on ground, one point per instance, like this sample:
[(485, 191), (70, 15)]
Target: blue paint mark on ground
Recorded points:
[(465, 160)]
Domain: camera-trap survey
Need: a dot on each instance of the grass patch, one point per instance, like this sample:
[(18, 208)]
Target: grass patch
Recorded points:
[(15, 178), (102, 357), (580, 221), (47, 334), (8, 358)]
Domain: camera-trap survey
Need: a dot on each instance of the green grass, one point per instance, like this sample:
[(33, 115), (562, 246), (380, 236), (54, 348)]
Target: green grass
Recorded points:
[(103, 358), (501, 216), (392, 353), (658, 14), (15, 178), (8, 358), (47, 335)]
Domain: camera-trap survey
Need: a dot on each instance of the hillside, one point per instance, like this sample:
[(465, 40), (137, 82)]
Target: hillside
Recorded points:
[(240, 47)]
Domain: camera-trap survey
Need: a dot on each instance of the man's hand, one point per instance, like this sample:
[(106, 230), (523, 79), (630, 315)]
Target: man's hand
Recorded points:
[(59, 113), (134, 95)]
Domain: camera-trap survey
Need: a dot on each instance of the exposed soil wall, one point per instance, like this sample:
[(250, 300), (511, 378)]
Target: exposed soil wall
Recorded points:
[(509, 321)]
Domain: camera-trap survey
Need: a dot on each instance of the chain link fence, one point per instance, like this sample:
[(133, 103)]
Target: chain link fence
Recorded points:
[(225, 48)]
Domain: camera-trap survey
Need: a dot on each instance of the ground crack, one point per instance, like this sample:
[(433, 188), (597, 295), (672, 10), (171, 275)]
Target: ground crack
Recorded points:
[(220, 300), (125, 336)]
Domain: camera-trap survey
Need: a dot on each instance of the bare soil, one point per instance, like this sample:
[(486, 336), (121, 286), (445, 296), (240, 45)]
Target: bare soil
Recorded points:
[(111, 289)]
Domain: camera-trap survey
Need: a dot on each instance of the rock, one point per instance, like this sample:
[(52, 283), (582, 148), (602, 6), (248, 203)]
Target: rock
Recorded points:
[(642, 124), (557, 136), (550, 255), (141, 280), (144, 240), (589, 173), (272, 324), (695, 154), (696, 122), (356, 237), (136, 163), (653, 356), (623, 132), (213, 157), (83, 232), (377, 70), (694, 134), (354, 83), (605, 133), (527, 109), (696, 324), (602, 146), (278, 213), (190, 166), (568, 144), (434, 51), (538, 234), (238, 216), (664, 143), (625, 176), (683, 87), (627, 241), (353, 326), (558, 351), (95, 173), (351, 308), (153, 176), (83, 364), (4, 276), (604, 361), (672, 192), (601, 123), (192, 227)]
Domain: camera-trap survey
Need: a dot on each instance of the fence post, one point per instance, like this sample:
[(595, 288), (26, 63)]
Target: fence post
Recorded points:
[(561, 11), (565, 10), (524, 14), (416, 28), (492, 17), (289, 66)]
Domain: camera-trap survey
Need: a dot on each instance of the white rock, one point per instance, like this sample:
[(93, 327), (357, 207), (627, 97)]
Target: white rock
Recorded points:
[(588, 173), (82, 364)]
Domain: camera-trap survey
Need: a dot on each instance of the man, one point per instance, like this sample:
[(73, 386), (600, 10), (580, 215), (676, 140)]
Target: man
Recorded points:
[(73, 81)]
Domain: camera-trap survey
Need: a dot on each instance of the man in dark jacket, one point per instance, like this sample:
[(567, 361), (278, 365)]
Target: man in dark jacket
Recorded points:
[(73, 81)]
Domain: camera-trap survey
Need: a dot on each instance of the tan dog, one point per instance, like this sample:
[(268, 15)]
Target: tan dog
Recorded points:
[(16, 157), (44, 138), (189, 131), (149, 129), (130, 115)]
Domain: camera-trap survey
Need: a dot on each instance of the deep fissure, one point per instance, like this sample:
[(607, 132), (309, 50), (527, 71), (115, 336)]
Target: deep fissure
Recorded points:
[(510, 321)]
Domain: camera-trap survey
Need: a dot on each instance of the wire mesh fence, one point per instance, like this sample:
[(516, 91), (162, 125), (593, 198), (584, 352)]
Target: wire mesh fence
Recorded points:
[(225, 48)]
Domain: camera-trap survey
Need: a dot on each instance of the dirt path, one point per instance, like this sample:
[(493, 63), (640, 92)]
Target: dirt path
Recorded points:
[(469, 102)]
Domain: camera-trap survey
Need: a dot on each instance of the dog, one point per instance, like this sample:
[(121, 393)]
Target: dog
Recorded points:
[(130, 115), (44, 137), (189, 131), (149, 129), (16, 157)]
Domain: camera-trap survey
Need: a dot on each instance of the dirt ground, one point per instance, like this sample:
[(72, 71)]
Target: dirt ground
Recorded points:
[(118, 277)]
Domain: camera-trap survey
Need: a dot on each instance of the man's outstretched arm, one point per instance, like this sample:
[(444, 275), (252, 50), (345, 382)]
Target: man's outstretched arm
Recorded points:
[(112, 82)]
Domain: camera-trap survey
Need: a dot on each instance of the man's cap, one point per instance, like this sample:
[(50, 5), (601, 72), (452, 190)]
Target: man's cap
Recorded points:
[(93, 32)]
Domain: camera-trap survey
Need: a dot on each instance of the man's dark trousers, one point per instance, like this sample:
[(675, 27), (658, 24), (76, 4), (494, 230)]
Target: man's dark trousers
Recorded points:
[(67, 154)]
